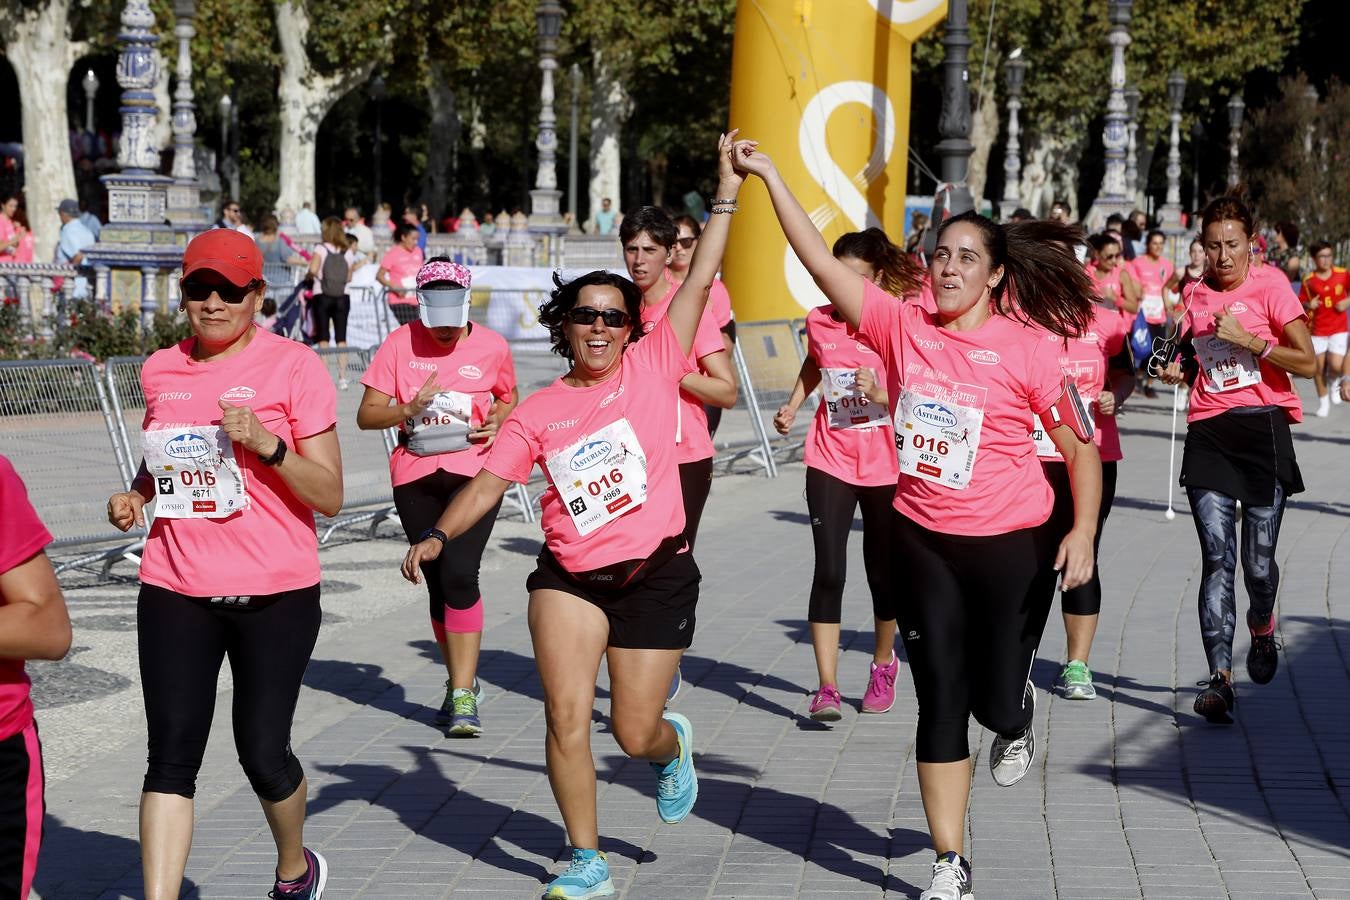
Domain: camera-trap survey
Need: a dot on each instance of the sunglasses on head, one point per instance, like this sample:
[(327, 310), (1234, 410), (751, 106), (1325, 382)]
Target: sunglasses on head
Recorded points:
[(586, 315), (200, 291), (686, 243)]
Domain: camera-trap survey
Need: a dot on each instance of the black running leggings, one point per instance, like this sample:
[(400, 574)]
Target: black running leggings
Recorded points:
[(452, 578), (695, 482), (973, 610), (831, 503), (1086, 599), (182, 642)]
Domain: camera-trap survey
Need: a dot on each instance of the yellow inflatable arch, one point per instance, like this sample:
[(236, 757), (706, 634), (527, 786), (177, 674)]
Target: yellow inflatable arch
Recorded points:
[(824, 85)]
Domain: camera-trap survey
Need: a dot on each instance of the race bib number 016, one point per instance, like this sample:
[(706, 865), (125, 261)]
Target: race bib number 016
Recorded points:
[(846, 405), (443, 427), (601, 477), (196, 474), (937, 440), (1228, 367)]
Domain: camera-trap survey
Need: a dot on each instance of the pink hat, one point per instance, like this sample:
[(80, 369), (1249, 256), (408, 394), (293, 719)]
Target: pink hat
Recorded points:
[(444, 270), (443, 307)]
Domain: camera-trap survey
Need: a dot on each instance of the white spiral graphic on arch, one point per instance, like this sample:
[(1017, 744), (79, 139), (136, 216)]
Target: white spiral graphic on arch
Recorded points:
[(844, 191), (903, 12)]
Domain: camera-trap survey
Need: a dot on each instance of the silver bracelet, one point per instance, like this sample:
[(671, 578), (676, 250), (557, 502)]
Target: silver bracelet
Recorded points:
[(731, 202), (724, 209)]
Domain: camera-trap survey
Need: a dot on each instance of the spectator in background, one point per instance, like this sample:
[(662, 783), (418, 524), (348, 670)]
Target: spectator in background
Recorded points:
[(276, 250), (1061, 211), (488, 227), (24, 252), (606, 218), (34, 624), (1021, 214), (90, 220), (382, 219), (357, 227), (1133, 234), (306, 222), (918, 230), (398, 272), (9, 235), (1287, 255), (286, 222), (232, 217), (75, 239), (412, 216)]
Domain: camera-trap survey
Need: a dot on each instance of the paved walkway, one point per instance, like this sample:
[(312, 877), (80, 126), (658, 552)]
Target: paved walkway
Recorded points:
[(1131, 796)]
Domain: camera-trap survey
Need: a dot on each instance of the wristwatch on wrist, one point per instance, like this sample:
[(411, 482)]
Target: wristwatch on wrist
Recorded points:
[(437, 534), (277, 455)]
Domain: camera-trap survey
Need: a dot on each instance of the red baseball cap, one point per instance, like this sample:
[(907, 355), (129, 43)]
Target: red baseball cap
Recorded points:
[(231, 254)]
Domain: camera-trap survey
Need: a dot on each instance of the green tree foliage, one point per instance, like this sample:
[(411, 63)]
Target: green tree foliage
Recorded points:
[(1292, 158)]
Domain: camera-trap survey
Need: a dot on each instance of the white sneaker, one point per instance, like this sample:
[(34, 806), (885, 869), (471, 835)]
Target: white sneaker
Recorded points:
[(1334, 391), (1010, 758), (1323, 407), (951, 879)]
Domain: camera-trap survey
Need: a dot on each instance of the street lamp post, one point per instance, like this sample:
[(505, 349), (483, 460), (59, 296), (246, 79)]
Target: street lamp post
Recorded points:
[(574, 227), (90, 85), (378, 91), (1014, 71), (545, 198), (953, 196), (1132, 145), (1170, 214), (226, 107), (1112, 197), (1236, 108), (1197, 136)]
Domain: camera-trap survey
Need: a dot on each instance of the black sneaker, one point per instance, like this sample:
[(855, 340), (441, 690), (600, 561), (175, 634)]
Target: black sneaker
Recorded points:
[(1264, 656), (1216, 701)]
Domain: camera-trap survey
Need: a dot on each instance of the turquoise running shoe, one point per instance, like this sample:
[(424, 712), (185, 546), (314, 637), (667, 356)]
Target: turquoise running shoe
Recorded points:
[(676, 782), (587, 876)]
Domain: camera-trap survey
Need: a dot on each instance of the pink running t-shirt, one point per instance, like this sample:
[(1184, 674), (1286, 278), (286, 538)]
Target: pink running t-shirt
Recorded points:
[(643, 392), (478, 365), (270, 546), (1086, 359), (693, 442), (1108, 284), (719, 303), (402, 266), (22, 536), (1152, 275), (861, 456), (1232, 377), (965, 417)]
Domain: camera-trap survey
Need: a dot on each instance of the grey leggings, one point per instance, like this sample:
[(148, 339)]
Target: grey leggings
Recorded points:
[(1215, 517)]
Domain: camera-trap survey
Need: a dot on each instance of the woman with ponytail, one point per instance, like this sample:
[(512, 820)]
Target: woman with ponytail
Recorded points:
[(966, 383), (850, 463), (1243, 334)]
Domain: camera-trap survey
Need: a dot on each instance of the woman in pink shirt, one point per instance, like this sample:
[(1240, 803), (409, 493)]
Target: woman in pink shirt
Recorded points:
[(850, 463), (1152, 273), (241, 450), (446, 384), (9, 231), (615, 579), (972, 504), (1114, 284), (1243, 334), (398, 273)]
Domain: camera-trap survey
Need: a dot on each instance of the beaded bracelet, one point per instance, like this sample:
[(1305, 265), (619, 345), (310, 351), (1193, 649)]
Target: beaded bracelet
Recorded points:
[(731, 202), (1270, 345), (724, 209)]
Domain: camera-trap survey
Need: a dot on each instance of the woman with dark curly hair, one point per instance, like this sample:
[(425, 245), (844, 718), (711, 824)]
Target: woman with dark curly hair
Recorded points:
[(615, 579)]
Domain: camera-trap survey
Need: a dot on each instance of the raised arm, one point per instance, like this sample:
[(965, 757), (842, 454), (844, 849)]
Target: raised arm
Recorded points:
[(687, 306), (842, 286)]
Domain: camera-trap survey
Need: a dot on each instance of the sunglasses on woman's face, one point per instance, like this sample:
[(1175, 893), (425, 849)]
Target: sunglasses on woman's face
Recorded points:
[(586, 315), (686, 243), (200, 291)]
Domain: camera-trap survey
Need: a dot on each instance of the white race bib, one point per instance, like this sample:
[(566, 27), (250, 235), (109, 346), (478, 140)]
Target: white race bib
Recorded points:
[(443, 427), (1153, 308), (600, 477), (1045, 448), (196, 475), (410, 282), (1228, 367), (937, 441), (847, 406)]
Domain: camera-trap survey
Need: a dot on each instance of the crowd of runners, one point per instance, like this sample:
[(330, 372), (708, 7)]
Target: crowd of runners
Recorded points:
[(967, 409)]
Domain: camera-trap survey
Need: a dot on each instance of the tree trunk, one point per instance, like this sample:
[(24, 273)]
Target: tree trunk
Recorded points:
[(41, 52), (983, 134), (657, 164), (442, 136), (305, 97), (610, 108)]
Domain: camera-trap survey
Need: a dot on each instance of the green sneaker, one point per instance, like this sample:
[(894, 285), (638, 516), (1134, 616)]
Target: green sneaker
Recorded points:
[(447, 711), (1075, 681), (464, 721)]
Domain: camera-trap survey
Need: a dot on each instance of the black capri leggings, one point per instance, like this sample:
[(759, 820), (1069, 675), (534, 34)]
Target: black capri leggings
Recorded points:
[(1086, 599), (973, 610), (452, 578), (182, 642), (695, 482), (330, 309), (831, 502)]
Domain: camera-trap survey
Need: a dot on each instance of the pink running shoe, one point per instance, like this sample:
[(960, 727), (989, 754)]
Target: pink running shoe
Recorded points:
[(880, 696), (825, 704)]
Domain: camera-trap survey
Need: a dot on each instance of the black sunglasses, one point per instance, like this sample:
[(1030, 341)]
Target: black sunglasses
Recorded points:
[(686, 242), (586, 315), (199, 291)]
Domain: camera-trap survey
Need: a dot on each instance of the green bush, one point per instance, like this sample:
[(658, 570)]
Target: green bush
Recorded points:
[(87, 330)]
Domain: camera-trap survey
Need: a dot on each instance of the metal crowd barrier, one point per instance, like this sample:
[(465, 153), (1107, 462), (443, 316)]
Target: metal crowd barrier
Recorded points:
[(57, 428), (770, 356)]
